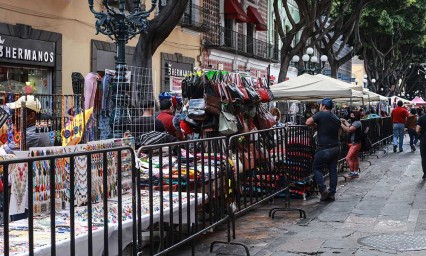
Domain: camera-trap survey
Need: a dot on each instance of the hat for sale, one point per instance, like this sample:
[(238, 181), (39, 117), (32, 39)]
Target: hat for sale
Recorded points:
[(30, 102), (327, 102)]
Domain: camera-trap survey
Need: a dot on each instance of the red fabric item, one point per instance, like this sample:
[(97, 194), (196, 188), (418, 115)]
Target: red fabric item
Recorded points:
[(255, 17), (167, 120), (186, 128), (174, 101), (1, 186), (399, 114), (234, 10)]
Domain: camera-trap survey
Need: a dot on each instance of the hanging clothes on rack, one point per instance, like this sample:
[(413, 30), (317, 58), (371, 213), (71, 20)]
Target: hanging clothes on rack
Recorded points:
[(90, 86), (104, 127)]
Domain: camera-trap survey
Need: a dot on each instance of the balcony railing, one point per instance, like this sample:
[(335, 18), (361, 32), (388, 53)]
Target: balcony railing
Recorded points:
[(195, 17), (231, 41)]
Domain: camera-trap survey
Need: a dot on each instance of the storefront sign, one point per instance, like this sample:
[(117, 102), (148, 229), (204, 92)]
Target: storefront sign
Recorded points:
[(178, 69), (27, 51), (174, 68)]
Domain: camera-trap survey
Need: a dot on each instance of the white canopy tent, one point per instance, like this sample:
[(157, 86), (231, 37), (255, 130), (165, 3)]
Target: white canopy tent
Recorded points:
[(372, 96), (308, 88), (395, 99), (368, 96)]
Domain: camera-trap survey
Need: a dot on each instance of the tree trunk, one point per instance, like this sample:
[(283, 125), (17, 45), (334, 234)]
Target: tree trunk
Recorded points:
[(285, 64), (143, 54), (159, 28), (334, 66)]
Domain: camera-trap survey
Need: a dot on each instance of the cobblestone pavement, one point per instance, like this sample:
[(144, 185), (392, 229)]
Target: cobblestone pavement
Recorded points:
[(381, 213)]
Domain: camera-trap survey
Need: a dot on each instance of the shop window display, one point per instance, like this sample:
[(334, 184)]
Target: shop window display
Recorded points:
[(25, 80)]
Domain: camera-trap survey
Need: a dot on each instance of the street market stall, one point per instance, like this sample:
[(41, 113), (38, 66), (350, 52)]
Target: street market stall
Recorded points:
[(309, 88), (418, 101)]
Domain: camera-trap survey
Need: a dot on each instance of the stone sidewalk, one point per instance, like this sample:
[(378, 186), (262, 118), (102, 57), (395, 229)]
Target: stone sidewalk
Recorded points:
[(381, 213)]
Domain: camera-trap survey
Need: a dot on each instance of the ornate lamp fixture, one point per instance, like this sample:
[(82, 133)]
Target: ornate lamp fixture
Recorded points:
[(311, 62), (121, 26), (365, 81)]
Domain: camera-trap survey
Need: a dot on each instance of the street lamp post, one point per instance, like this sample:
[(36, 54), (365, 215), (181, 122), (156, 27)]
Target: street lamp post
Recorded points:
[(311, 62), (365, 81), (121, 26)]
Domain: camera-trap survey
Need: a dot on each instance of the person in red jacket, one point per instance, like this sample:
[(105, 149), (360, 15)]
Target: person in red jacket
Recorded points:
[(399, 116), (166, 116)]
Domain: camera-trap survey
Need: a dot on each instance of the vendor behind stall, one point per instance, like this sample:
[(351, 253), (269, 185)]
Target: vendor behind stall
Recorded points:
[(33, 138), (166, 116), (146, 123)]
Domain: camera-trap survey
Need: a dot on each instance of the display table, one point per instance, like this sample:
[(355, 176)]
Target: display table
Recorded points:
[(18, 233), (198, 168)]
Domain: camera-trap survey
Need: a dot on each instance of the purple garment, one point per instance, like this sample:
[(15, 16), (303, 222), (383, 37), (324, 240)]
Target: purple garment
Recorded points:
[(105, 91)]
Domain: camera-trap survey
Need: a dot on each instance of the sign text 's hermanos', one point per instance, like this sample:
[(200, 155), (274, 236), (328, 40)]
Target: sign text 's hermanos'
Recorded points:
[(16, 49)]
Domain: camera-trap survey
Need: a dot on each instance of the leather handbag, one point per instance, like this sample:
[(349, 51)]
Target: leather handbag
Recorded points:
[(251, 92), (264, 119), (238, 81), (234, 92), (197, 109), (213, 104), (262, 91), (192, 122), (224, 95), (227, 123)]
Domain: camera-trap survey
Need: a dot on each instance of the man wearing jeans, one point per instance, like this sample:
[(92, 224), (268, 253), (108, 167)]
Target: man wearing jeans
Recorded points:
[(399, 115), (328, 148)]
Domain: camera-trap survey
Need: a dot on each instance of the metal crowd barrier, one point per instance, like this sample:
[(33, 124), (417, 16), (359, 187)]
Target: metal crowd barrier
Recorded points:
[(178, 192), (192, 183), (380, 132), (257, 158), (97, 239), (268, 162), (299, 155)]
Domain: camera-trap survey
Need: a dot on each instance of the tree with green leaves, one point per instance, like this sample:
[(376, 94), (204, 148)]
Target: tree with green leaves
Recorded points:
[(346, 15), (310, 13), (393, 37)]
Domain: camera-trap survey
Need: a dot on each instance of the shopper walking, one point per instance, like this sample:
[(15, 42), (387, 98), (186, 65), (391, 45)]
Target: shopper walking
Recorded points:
[(354, 130), (399, 115), (410, 124), (328, 148), (421, 130)]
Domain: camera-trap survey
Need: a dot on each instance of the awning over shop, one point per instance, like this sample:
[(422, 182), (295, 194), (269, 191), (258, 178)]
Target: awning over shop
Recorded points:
[(255, 17), (234, 11)]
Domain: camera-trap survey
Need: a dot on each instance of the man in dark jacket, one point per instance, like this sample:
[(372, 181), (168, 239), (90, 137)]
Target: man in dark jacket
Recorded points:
[(328, 148)]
